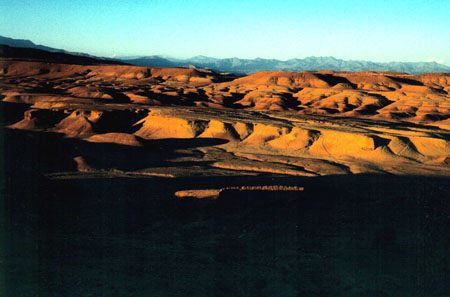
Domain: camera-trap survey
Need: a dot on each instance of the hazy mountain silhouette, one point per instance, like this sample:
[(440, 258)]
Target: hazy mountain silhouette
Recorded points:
[(151, 61), (27, 44), (248, 66), (22, 43), (34, 54)]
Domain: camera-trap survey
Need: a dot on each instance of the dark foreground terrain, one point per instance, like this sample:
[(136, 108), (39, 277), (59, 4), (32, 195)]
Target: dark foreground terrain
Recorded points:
[(344, 235), (95, 160)]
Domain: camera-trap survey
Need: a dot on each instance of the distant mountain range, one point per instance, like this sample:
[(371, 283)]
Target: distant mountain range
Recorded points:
[(34, 54), (60, 56), (27, 44), (248, 66)]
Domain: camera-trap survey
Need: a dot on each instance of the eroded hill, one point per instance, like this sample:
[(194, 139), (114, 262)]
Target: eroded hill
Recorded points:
[(205, 123)]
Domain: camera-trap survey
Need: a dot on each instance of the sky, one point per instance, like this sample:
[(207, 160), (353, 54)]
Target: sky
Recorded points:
[(377, 30)]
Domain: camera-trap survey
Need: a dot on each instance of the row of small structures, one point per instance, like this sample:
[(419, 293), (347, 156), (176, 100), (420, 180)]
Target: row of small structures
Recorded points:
[(263, 188), (214, 193)]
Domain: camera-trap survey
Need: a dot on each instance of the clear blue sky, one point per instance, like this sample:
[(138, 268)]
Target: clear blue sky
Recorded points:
[(395, 30)]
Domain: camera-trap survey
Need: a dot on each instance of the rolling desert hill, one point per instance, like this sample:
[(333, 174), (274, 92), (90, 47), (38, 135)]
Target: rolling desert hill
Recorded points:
[(131, 180), (289, 123)]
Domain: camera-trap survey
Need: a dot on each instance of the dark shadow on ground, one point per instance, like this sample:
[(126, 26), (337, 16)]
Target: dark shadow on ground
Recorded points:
[(346, 235), (333, 80), (406, 81), (11, 113), (30, 153)]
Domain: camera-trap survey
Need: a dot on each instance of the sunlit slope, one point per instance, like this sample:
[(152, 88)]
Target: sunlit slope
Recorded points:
[(309, 123), (382, 95)]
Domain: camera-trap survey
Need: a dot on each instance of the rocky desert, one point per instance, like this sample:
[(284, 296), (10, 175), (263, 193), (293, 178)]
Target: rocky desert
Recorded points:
[(314, 183), (283, 123)]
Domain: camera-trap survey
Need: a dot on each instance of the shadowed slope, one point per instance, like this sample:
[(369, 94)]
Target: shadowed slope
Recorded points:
[(386, 95), (22, 53)]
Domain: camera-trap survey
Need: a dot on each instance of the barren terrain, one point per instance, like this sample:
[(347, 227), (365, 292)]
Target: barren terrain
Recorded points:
[(299, 124), (328, 183)]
